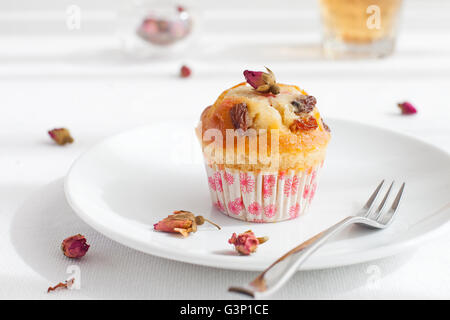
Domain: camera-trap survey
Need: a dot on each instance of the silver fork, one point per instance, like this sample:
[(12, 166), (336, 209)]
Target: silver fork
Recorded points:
[(279, 272)]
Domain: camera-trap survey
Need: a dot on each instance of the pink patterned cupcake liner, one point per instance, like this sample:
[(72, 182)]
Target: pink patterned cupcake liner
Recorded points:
[(262, 197)]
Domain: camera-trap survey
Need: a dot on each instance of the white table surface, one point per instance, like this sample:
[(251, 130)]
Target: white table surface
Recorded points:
[(51, 77)]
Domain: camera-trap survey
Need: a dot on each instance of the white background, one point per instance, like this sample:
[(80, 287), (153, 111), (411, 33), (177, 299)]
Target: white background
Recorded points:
[(51, 76)]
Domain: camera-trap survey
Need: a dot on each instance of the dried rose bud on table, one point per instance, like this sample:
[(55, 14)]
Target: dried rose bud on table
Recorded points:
[(185, 72), (61, 136), (183, 222), (261, 81), (75, 246), (246, 243), (407, 108)]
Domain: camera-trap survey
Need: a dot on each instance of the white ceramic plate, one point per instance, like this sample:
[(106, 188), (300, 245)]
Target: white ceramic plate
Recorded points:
[(124, 185)]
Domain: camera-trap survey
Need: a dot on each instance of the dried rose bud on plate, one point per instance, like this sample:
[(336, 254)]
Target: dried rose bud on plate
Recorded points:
[(246, 243), (75, 246), (61, 136), (183, 222)]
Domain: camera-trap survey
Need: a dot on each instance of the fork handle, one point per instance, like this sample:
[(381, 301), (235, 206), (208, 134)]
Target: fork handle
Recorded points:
[(282, 269)]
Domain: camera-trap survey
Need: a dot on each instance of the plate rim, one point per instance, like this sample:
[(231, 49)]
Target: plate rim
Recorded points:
[(378, 252)]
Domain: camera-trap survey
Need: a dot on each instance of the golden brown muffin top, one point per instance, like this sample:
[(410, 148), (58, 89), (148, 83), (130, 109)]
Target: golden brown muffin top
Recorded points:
[(292, 111)]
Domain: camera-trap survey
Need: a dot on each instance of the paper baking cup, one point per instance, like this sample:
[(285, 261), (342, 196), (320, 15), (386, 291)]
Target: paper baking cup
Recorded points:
[(262, 197)]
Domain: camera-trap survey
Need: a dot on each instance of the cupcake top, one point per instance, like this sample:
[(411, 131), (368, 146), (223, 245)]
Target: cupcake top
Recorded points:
[(261, 103)]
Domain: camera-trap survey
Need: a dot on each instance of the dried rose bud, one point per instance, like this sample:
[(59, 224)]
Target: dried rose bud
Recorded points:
[(61, 136), (254, 78), (183, 222), (407, 108), (262, 81), (75, 246), (185, 72), (246, 243)]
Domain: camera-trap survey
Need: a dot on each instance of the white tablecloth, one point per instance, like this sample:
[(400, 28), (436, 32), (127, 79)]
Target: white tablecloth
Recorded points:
[(51, 77)]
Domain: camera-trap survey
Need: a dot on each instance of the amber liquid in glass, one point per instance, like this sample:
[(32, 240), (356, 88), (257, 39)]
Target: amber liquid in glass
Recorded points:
[(360, 26)]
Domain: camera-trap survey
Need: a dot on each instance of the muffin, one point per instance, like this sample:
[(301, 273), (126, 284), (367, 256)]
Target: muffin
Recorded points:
[(263, 145)]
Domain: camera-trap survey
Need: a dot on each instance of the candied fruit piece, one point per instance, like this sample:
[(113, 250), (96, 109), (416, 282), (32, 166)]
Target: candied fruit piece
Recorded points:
[(304, 124)]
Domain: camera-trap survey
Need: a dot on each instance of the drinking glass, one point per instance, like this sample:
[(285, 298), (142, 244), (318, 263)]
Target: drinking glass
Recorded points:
[(359, 28)]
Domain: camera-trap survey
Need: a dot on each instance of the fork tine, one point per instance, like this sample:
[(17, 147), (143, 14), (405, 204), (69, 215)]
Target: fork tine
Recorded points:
[(390, 214), (372, 198), (398, 198), (378, 212)]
